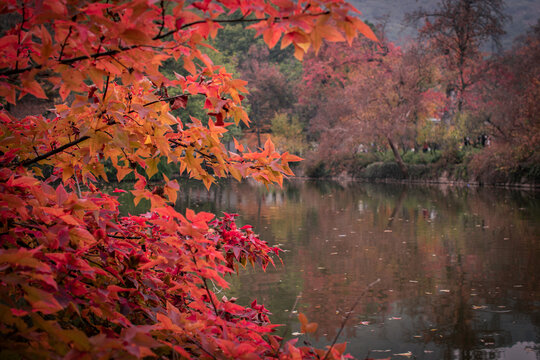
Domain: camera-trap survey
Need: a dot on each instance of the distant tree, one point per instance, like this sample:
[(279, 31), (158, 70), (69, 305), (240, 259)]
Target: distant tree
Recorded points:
[(457, 29), (268, 89), (288, 134), (510, 98), (368, 94), (391, 93)]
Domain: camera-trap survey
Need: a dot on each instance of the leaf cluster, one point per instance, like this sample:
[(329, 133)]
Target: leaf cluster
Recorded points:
[(77, 280)]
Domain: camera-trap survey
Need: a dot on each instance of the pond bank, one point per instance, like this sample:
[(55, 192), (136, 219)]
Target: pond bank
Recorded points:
[(387, 172)]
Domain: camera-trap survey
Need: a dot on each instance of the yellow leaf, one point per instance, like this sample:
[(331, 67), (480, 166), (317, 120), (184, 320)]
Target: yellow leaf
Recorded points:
[(303, 319), (135, 36), (151, 168), (67, 172), (298, 52), (37, 171), (33, 87), (365, 29), (81, 236), (189, 66), (122, 172), (235, 173), (340, 347), (41, 300), (271, 37), (311, 328), (96, 75), (330, 33)]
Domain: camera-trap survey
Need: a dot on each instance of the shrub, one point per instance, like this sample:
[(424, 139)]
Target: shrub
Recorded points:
[(380, 170)]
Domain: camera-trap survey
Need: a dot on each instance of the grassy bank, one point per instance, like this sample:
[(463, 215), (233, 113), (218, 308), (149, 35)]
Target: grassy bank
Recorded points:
[(468, 166)]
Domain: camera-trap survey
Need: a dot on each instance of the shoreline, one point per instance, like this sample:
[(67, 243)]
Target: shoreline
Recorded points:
[(439, 181)]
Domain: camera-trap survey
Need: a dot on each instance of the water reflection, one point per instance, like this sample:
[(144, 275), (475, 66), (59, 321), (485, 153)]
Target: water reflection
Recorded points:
[(458, 269)]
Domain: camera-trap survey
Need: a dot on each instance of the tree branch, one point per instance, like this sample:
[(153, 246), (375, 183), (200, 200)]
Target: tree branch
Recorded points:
[(157, 37), (162, 25), (230, 21), (65, 43), (52, 152), (348, 316), (106, 88)]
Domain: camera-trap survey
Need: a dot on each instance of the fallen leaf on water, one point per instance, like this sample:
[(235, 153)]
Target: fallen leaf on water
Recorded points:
[(408, 354)]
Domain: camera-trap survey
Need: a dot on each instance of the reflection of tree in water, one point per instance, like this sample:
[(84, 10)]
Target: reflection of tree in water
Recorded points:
[(466, 241)]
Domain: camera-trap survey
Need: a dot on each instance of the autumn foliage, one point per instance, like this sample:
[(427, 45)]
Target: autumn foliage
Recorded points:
[(77, 280)]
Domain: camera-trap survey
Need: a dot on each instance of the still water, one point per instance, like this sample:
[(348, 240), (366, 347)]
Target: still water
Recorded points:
[(458, 267)]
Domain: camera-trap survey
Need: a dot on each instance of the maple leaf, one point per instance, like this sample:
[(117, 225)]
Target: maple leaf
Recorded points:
[(86, 274), (178, 102)]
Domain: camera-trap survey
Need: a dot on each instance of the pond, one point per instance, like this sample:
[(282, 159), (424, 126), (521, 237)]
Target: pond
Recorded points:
[(458, 267)]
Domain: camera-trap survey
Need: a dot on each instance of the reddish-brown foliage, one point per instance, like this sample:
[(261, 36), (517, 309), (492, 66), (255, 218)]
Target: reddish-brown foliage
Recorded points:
[(77, 280)]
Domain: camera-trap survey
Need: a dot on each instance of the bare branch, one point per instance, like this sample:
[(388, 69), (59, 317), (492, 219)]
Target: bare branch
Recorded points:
[(349, 315)]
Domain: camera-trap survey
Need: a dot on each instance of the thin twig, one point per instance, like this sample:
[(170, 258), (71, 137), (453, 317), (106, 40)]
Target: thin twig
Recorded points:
[(106, 88), (200, 346), (162, 25), (287, 327), (231, 21), (157, 37), (65, 43), (348, 316), (210, 296), (78, 186), (206, 287), (124, 237)]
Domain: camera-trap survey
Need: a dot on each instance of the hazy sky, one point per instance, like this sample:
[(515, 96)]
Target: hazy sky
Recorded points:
[(524, 13)]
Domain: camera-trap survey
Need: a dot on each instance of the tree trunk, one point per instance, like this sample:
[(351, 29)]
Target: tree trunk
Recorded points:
[(258, 133), (399, 160)]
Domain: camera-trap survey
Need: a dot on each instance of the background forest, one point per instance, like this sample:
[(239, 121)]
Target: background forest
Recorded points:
[(439, 105)]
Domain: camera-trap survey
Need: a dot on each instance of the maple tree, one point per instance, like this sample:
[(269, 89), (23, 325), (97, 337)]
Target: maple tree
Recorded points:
[(321, 99), (508, 109), (77, 279), (380, 94), (391, 96)]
